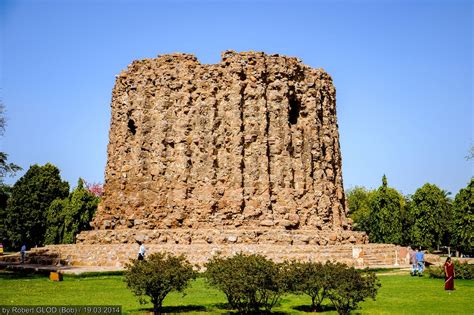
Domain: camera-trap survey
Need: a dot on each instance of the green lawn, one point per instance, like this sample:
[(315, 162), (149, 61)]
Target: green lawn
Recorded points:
[(399, 294)]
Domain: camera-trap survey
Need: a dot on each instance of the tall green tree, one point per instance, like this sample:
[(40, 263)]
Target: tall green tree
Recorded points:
[(387, 211), (6, 168), (462, 233), (430, 216), (5, 192), (55, 218), (358, 199), (30, 199), (69, 216)]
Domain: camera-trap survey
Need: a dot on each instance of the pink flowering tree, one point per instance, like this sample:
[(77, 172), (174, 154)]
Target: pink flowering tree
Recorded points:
[(95, 188)]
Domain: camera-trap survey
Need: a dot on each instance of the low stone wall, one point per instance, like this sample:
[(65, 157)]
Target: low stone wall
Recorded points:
[(117, 255), (223, 236)]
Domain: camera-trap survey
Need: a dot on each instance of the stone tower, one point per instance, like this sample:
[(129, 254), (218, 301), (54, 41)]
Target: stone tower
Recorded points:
[(248, 145)]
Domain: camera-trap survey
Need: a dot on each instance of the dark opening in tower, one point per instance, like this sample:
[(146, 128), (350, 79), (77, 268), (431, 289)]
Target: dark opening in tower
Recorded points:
[(131, 126), (294, 110)]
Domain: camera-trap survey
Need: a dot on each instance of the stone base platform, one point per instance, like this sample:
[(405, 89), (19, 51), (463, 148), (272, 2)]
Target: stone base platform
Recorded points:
[(117, 255), (116, 247), (270, 236)]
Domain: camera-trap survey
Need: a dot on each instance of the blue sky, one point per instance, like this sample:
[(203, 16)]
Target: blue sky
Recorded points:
[(403, 71)]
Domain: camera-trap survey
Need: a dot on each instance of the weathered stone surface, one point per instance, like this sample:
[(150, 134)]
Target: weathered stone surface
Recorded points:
[(251, 142), (260, 235), (116, 255)]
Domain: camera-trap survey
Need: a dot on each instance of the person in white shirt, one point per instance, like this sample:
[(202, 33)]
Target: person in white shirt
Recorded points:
[(141, 251)]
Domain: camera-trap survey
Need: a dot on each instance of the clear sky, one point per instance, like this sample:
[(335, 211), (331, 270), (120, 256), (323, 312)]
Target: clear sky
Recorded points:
[(403, 71)]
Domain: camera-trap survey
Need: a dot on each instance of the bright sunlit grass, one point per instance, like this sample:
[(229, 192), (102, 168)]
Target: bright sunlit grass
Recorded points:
[(400, 294)]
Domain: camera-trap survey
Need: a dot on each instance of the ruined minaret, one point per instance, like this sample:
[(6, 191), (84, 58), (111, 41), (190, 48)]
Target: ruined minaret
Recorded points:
[(249, 143)]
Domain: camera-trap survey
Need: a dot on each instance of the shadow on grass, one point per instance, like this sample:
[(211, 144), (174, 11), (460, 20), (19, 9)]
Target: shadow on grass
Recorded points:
[(223, 306), (96, 274), (309, 309), (230, 311), (20, 274), (178, 309)]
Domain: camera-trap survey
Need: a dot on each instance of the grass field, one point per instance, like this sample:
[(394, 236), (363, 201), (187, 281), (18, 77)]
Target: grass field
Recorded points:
[(400, 294)]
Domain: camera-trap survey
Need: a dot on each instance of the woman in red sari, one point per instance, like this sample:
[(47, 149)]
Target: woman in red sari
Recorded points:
[(449, 274)]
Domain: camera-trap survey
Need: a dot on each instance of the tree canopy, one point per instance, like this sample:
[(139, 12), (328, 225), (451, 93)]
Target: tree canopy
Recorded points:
[(385, 223), (30, 199), (67, 217), (5, 192), (430, 217), (462, 236), (358, 199)]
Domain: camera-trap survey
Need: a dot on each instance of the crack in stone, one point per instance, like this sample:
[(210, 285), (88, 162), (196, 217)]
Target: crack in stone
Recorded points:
[(267, 133), (242, 140)]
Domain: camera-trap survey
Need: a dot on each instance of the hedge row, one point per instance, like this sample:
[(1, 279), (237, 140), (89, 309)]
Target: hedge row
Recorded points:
[(463, 270), (254, 284)]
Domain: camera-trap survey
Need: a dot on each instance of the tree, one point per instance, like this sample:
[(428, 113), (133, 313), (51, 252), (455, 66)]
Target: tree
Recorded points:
[(67, 217), (430, 217), (30, 199), (463, 219), (470, 155), (55, 221), (250, 282), (5, 192), (6, 168), (157, 276), (358, 199), (3, 121), (387, 211), (96, 188)]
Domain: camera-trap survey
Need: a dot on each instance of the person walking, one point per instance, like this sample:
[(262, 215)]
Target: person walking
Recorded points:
[(449, 274), (141, 251), (413, 262), (420, 258), (23, 253)]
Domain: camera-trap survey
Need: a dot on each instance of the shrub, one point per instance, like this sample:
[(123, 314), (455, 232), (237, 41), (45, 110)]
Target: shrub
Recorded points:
[(436, 271), (157, 276), (310, 278), (349, 287), (463, 270), (250, 282)]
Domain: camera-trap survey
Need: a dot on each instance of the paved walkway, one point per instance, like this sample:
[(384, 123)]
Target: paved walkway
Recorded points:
[(52, 268), (76, 270)]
